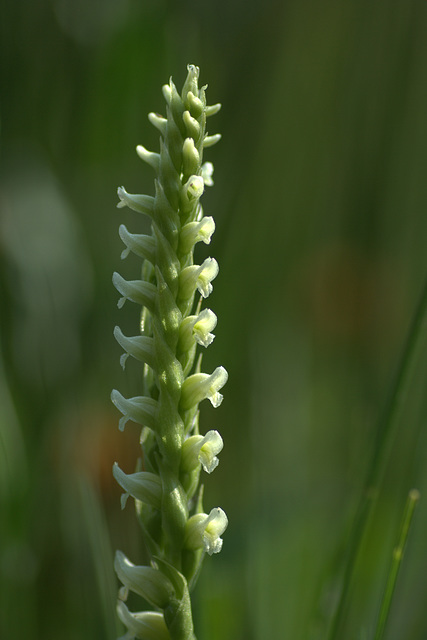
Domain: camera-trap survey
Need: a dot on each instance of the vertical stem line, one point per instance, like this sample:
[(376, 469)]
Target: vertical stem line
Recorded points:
[(398, 551)]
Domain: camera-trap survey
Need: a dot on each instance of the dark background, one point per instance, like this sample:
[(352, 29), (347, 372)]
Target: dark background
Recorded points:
[(320, 204)]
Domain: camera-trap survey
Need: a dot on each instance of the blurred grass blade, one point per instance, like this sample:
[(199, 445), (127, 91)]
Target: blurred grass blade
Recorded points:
[(398, 552), (102, 556), (385, 435)]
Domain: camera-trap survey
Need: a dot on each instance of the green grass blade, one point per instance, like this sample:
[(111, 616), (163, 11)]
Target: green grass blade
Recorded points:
[(397, 556), (385, 436)]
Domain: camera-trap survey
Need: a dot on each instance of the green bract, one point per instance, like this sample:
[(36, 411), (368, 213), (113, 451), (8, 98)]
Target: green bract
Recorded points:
[(177, 532)]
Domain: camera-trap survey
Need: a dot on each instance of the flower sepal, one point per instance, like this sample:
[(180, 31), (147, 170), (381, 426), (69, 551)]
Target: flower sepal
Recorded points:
[(144, 625), (148, 582), (142, 485)]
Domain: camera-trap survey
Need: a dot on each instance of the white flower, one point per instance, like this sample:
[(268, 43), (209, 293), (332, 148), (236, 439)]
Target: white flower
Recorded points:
[(197, 328), (202, 449), (205, 323), (200, 386), (205, 530), (198, 276), (207, 171), (194, 186), (193, 232)]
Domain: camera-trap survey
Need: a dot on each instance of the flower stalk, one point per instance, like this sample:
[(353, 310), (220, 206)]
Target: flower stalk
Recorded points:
[(166, 489)]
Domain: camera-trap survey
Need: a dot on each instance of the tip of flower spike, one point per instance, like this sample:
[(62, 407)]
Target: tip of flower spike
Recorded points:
[(194, 70)]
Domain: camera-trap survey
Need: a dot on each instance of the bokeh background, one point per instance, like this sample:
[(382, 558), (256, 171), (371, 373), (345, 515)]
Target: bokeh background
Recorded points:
[(320, 203)]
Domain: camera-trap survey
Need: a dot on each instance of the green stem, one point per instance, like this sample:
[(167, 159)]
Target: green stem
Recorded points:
[(398, 551), (385, 436)]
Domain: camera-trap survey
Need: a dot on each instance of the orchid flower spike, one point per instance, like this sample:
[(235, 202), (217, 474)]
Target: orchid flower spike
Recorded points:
[(169, 290)]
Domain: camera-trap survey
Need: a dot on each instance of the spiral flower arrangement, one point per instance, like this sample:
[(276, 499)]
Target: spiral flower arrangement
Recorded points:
[(168, 496)]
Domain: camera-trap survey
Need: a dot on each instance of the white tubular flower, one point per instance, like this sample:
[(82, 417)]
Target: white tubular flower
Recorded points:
[(144, 625), (136, 202), (201, 450), (194, 187), (207, 170), (143, 486), (200, 386), (198, 276), (205, 323), (197, 329), (147, 582), (205, 530), (193, 232)]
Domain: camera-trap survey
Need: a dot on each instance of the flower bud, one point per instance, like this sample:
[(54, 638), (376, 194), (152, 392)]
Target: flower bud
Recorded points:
[(190, 157), (158, 121), (209, 141), (147, 582), (191, 124), (212, 109), (195, 105), (143, 486), (205, 530), (200, 386), (144, 625), (201, 449), (191, 81), (153, 159)]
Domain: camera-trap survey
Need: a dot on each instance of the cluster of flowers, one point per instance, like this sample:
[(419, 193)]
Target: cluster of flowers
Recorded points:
[(166, 489)]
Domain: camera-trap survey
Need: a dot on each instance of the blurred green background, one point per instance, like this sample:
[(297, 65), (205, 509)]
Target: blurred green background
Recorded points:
[(320, 203)]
